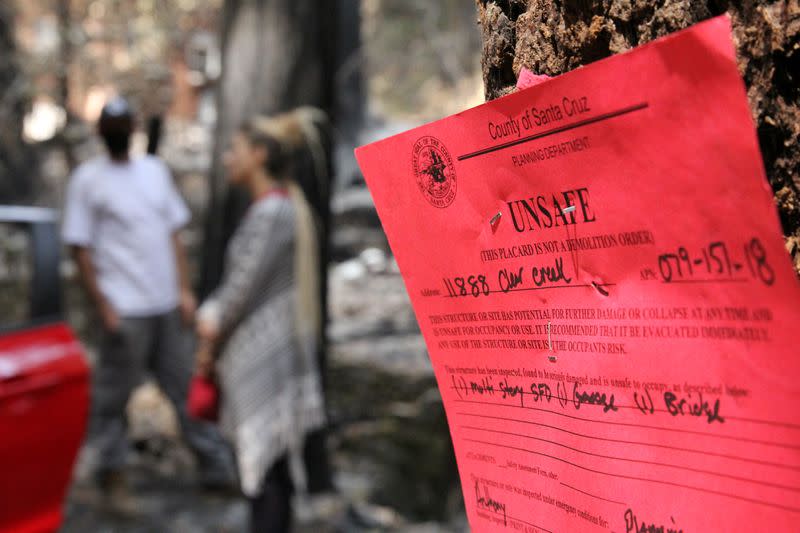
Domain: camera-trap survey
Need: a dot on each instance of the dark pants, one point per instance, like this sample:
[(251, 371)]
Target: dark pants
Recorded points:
[(271, 511), (163, 347)]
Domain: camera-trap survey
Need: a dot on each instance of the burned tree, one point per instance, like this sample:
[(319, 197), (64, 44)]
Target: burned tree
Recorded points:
[(276, 55), (550, 37), (16, 159)]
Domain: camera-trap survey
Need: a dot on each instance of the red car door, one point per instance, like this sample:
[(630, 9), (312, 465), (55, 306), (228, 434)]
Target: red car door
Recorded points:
[(44, 392)]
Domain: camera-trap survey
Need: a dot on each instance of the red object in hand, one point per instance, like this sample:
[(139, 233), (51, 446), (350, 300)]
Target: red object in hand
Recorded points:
[(203, 401)]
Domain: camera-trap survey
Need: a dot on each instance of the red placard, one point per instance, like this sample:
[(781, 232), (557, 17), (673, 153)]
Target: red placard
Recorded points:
[(597, 268)]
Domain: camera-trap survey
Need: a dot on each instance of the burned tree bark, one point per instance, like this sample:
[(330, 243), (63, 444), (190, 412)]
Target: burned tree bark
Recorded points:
[(17, 168), (552, 37), (277, 55)]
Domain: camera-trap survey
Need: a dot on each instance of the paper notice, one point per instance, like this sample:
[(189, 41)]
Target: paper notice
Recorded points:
[(597, 267)]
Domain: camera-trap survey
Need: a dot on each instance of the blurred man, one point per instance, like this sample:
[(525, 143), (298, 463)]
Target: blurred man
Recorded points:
[(121, 222)]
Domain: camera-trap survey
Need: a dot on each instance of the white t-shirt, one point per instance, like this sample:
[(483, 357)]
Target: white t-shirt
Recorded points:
[(126, 214)]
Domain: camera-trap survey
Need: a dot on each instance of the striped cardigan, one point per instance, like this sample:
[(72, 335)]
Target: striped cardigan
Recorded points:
[(271, 394)]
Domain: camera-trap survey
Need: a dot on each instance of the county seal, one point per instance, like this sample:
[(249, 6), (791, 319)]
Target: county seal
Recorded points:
[(434, 171)]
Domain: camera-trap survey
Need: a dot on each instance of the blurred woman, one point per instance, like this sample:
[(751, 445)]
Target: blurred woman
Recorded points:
[(264, 321)]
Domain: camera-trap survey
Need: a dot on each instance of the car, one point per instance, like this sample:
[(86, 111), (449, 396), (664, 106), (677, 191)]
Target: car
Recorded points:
[(44, 384)]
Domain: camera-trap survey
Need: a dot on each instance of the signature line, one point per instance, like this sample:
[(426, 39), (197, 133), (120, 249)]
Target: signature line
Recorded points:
[(485, 510), (592, 495), (650, 480)]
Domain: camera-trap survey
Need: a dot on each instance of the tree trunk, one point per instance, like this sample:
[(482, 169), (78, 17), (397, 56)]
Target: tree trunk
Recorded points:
[(17, 174), (277, 55), (552, 37), (349, 113), (63, 11)]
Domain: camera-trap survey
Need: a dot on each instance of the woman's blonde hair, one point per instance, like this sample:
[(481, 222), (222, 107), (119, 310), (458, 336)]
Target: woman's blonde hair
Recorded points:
[(283, 136)]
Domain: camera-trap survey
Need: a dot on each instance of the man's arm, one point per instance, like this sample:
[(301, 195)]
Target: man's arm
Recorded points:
[(187, 302), (83, 259)]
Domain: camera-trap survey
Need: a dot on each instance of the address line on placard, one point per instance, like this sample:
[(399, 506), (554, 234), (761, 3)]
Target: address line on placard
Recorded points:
[(553, 131), (545, 287)]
